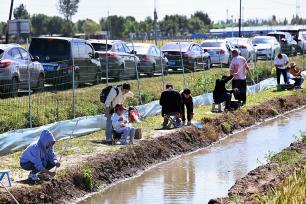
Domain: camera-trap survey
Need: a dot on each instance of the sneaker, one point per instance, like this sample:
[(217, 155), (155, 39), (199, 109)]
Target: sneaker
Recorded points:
[(121, 143), (183, 123), (33, 177), (189, 123)]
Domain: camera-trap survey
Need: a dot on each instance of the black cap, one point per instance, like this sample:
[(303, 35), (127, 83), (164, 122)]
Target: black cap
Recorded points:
[(169, 86), (126, 86)]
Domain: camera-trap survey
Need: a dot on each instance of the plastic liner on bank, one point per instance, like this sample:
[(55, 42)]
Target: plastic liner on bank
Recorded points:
[(17, 139)]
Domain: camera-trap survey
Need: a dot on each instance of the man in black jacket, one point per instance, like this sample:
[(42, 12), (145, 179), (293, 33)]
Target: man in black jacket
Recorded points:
[(188, 102), (171, 103), (221, 94)]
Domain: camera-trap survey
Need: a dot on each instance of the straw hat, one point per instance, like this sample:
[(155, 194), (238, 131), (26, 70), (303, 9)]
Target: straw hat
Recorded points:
[(292, 65)]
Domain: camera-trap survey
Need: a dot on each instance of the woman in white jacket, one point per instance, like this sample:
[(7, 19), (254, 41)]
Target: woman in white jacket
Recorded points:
[(121, 125)]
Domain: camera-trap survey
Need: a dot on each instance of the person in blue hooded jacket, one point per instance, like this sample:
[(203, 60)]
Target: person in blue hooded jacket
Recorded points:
[(39, 157)]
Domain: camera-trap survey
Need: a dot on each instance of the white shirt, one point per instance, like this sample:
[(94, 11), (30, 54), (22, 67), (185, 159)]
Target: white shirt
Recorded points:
[(239, 67), (113, 99), (281, 63), (115, 121)]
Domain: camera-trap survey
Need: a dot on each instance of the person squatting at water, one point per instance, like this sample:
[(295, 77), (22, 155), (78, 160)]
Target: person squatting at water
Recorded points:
[(295, 74), (39, 157), (238, 69), (116, 95), (280, 62), (171, 103), (187, 101), (221, 94), (121, 125)]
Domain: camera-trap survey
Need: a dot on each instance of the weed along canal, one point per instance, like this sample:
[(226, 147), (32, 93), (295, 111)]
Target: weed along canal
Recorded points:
[(210, 172)]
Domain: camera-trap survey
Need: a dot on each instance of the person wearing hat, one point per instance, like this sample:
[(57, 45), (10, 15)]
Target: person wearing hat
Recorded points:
[(238, 69), (121, 125), (188, 102), (281, 61), (295, 74), (117, 95)]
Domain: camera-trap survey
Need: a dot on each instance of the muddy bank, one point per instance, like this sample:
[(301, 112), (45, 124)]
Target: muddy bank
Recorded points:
[(265, 178), (102, 170)]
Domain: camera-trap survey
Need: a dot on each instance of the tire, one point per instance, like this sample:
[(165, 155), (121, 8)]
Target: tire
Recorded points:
[(208, 64), (13, 91), (40, 83)]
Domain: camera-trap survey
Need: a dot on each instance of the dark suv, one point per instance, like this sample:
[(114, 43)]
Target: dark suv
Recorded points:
[(58, 55)]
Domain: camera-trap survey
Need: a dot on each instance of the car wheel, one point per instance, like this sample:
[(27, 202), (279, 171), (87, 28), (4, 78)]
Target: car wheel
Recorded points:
[(208, 64), (40, 83), (14, 87)]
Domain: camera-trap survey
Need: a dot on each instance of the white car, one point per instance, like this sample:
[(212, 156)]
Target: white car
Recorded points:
[(219, 50), (267, 47), (245, 46), (302, 40), (15, 65)]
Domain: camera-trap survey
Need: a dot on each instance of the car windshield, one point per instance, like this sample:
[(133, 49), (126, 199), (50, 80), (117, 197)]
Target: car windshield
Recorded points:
[(304, 35), (139, 49), (211, 44), (50, 50), (278, 36), (101, 46), (262, 41), (238, 41), (176, 47), (1, 53)]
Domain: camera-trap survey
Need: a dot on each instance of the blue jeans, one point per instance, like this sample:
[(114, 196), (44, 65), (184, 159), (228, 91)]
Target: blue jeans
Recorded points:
[(127, 131), (109, 127), (29, 166)]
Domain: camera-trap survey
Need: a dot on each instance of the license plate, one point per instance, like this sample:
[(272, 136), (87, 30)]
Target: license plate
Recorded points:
[(49, 68), (171, 62)]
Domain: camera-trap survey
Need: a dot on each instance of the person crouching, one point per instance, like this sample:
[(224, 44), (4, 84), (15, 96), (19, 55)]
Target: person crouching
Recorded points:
[(121, 126), (39, 157)]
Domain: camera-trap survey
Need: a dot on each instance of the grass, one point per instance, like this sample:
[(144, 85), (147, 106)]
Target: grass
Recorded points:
[(293, 190)]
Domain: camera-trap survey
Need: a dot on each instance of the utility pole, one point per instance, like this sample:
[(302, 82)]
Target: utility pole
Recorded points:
[(155, 23), (108, 26), (10, 18), (240, 19)]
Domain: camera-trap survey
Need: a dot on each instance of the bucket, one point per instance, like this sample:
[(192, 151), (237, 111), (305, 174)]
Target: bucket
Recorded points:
[(279, 87), (138, 134)]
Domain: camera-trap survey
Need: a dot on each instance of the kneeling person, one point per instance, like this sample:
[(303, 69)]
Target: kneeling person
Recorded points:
[(121, 126), (221, 94), (39, 157)]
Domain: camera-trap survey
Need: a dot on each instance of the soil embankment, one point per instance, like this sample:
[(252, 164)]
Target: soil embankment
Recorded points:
[(102, 170)]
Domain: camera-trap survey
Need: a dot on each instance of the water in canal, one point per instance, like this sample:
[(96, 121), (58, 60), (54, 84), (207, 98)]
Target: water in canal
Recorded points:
[(208, 173)]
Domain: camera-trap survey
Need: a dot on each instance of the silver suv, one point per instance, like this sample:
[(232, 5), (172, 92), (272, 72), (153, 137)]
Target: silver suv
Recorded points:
[(14, 72)]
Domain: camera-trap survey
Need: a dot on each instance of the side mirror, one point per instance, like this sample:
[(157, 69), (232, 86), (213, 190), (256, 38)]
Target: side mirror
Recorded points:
[(133, 52), (35, 59), (205, 50), (254, 45), (96, 55)]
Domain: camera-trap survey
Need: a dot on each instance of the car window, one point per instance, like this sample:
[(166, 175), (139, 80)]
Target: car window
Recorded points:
[(127, 50), (15, 54), (75, 50), (101, 46), (119, 48), (197, 48), (212, 44), (139, 49), (153, 51), (176, 46), (24, 54), (1, 53), (157, 51), (82, 50), (89, 50)]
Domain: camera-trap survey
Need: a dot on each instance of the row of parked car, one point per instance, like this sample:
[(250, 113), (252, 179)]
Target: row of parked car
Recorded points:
[(51, 59)]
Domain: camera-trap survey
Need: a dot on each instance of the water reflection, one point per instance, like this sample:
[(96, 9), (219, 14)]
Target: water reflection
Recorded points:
[(208, 173)]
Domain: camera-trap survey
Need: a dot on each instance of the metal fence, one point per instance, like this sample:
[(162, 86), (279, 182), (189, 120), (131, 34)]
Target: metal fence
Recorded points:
[(77, 93)]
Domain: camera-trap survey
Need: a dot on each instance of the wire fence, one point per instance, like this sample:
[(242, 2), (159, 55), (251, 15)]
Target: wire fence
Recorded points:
[(74, 91)]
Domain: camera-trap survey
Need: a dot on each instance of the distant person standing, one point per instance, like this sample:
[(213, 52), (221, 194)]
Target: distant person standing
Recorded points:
[(238, 69), (116, 95), (281, 61), (188, 102)]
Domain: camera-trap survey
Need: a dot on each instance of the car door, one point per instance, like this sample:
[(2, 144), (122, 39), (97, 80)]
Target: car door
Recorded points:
[(130, 61), (30, 67), (158, 59), (20, 67)]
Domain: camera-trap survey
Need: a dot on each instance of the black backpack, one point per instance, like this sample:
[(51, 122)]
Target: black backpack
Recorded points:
[(104, 93)]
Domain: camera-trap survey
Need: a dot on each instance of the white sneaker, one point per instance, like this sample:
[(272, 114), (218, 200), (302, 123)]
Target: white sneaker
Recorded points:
[(33, 177)]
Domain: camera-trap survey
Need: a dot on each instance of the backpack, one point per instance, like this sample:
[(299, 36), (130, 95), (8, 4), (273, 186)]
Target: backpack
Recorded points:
[(105, 92)]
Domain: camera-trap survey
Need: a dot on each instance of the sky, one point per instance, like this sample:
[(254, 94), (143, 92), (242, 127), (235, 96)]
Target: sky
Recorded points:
[(216, 9)]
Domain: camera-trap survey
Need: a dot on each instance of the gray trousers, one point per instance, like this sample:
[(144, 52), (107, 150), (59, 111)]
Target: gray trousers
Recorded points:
[(108, 128)]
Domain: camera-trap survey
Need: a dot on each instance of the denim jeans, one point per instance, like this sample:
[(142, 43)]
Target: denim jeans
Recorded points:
[(127, 131), (29, 166), (108, 128)]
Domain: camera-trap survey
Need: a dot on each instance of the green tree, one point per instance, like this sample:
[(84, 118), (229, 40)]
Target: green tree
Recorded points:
[(39, 24), (203, 17), (113, 24), (68, 8), (68, 29), (21, 12), (90, 27), (55, 25)]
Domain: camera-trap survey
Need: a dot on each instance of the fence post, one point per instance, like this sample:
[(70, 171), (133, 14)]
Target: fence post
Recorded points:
[(29, 87), (106, 60), (182, 63), (73, 82), (136, 68)]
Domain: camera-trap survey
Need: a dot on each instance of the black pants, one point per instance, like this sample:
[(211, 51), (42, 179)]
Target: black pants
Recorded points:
[(225, 97), (298, 81), (242, 87), (280, 72), (189, 111)]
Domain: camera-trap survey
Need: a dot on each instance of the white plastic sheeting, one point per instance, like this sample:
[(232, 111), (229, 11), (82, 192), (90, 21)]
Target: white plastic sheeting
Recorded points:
[(15, 140)]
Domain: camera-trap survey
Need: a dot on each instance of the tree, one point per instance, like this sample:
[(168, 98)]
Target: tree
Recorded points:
[(39, 24), (90, 27), (55, 25), (2, 28), (203, 17), (21, 12), (68, 8)]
